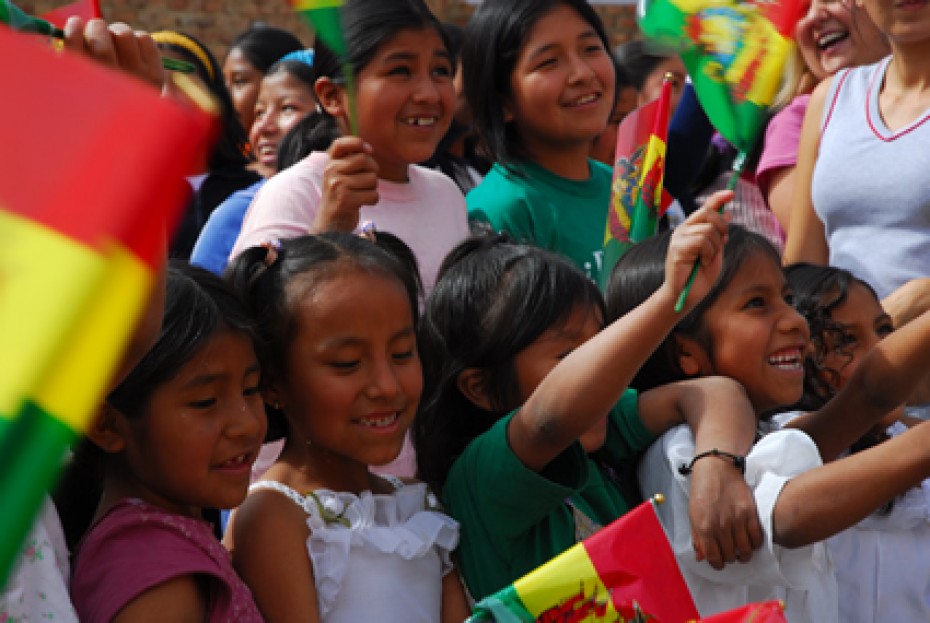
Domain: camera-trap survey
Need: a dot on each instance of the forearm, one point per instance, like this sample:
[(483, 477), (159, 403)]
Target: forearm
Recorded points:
[(824, 501)]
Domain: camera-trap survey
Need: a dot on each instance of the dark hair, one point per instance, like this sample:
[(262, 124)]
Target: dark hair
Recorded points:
[(263, 45), (818, 290), (312, 133), (230, 149), (366, 26), (197, 306), (638, 59), (299, 69), (641, 271), (494, 37), (493, 298), (266, 278)]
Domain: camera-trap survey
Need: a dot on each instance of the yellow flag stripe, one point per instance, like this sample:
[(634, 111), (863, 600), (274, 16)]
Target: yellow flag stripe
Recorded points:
[(309, 5), (45, 278), (84, 366), (564, 577)]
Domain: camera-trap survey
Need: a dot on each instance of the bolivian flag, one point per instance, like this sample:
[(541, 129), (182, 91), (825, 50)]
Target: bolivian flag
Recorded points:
[(735, 52), (626, 572), (93, 166), (637, 198)]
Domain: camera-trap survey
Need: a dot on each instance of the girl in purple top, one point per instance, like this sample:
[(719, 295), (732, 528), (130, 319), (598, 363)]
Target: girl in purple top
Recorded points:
[(178, 434)]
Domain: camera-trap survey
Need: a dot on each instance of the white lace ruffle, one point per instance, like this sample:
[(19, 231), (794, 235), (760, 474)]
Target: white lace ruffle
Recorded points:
[(405, 523)]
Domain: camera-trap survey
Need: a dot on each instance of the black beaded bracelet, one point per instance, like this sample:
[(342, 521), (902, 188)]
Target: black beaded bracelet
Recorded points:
[(739, 462)]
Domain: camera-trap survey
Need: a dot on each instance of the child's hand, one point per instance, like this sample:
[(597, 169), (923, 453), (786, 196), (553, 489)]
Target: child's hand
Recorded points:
[(724, 524), (350, 181), (700, 238), (118, 46)]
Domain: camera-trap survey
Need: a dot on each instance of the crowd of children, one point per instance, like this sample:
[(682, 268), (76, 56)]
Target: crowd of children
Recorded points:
[(452, 400)]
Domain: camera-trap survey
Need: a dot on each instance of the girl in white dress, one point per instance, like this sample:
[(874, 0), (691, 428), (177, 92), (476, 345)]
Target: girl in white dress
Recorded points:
[(320, 537)]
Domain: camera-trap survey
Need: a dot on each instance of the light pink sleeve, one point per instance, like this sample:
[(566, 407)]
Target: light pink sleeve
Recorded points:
[(284, 207)]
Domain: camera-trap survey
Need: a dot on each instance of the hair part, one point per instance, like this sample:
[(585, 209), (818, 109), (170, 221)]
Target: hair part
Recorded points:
[(494, 39), (264, 45), (493, 298)]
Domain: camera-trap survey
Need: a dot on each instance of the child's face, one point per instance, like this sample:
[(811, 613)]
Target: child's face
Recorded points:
[(862, 324), (353, 373), (562, 87), (405, 100), (652, 87), (282, 102), (196, 442), (243, 81), (534, 362), (756, 337)]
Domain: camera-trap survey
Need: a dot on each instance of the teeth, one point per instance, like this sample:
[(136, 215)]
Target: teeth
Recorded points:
[(387, 420), (786, 360), (587, 99), (422, 121), (830, 38)]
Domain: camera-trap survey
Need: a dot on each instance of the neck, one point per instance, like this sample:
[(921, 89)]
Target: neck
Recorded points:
[(909, 68), (311, 467), (568, 162)]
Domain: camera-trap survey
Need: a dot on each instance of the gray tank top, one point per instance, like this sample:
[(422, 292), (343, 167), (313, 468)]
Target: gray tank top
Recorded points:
[(871, 186)]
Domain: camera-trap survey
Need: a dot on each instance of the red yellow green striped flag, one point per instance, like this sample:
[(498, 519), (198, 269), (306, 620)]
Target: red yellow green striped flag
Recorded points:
[(735, 52), (637, 198), (96, 173), (626, 572)]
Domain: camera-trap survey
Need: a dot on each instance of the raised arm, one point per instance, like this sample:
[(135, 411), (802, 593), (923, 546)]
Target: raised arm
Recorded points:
[(589, 381), (806, 240)]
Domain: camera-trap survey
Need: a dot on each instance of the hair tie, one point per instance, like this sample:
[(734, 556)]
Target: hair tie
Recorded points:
[(172, 37), (271, 252), (301, 56), (368, 231)]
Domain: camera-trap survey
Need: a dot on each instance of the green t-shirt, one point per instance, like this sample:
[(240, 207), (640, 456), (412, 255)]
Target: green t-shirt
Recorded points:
[(540, 208), (514, 519)]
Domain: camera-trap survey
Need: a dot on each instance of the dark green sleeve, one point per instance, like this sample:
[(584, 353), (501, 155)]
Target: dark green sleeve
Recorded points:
[(627, 436)]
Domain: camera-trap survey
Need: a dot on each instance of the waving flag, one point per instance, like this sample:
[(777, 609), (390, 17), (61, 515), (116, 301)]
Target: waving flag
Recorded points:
[(323, 16), (626, 570), (735, 52), (637, 198), (95, 172), (85, 9), (767, 612)]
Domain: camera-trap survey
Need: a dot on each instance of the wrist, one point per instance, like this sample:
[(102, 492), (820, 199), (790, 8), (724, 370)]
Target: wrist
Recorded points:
[(736, 460)]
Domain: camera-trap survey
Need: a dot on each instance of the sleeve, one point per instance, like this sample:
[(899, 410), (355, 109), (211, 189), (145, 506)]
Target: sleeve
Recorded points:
[(285, 207), (122, 561), (773, 461), (627, 436), (782, 137), (215, 243), (504, 493), (504, 209)]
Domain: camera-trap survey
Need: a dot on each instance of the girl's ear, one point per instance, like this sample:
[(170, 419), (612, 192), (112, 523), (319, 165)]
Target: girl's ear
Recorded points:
[(507, 109), (471, 382), (331, 97), (692, 357), (108, 431)]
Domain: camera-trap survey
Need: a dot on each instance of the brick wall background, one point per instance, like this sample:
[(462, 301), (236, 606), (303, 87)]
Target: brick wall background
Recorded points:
[(217, 22)]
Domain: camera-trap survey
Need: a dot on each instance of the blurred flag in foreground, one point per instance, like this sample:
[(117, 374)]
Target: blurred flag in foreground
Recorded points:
[(637, 198), (94, 165), (625, 572), (735, 52)]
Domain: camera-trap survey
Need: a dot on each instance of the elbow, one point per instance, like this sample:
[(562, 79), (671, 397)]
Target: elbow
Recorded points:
[(789, 530)]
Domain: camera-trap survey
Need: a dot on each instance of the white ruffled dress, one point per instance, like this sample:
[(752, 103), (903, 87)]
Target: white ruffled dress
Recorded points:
[(376, 557)]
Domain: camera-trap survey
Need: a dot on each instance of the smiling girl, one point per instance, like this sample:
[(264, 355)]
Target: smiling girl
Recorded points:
[(404, 102), (538, 106)]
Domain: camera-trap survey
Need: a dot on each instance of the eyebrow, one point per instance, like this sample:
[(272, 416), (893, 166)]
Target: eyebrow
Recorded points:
[(542, 49), (202, 380), (403, 55), (340, 342)]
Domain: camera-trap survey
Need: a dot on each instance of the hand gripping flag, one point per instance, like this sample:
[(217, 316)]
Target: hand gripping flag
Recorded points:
[(637, 198), (735, 52), (93, 170), (625, 573)]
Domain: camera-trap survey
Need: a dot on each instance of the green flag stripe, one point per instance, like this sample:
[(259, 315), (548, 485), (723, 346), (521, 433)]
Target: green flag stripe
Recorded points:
[(18, 20), (502, 607), (31, 453)]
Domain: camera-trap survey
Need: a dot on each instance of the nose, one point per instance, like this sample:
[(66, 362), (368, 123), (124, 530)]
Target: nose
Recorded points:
[(428, 90), (383, 383), (267, 125), (791, 321), (580, 69), (247, 418)]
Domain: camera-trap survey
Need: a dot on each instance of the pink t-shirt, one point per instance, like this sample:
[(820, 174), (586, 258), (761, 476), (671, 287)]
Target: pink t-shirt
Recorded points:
[(137, 546), (427, 212), (782, 137)]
